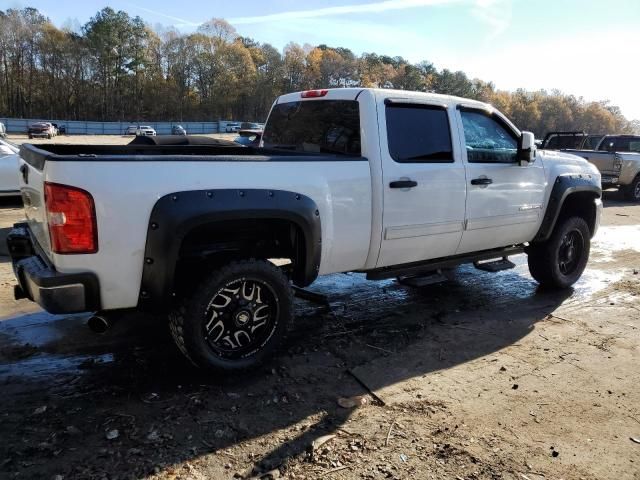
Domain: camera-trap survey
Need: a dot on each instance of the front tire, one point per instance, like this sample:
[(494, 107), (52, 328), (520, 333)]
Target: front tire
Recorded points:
[(632, 191), (559, 262), (236, 319)]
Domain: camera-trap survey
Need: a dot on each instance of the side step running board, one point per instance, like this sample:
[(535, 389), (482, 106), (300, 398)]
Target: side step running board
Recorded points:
[(420, 268), (432, 278), (495, 265)]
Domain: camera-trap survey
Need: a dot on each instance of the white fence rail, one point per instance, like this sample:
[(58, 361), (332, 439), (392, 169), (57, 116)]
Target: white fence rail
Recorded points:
[(74, 127)]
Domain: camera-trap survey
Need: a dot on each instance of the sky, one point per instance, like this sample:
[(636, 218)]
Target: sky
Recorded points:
[(587, 48)]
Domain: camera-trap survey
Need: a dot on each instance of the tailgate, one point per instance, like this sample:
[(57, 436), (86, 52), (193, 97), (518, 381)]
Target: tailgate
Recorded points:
[(32, 189), (604, 161)]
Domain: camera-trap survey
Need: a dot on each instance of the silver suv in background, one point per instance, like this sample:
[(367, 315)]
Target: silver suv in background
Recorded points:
[(618, 159)]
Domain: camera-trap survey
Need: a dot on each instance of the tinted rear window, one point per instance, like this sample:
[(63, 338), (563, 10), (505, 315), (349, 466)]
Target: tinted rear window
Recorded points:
[(317, 126), (418, 133)]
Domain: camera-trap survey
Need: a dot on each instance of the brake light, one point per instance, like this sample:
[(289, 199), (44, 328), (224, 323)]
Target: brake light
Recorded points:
[(71, 215), (314, 93)]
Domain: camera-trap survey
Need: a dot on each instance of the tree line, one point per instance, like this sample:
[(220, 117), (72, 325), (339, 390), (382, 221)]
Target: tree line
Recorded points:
[(117, 68)]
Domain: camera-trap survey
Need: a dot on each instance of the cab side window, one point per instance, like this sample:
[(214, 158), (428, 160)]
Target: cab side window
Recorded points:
[(418, 133), (487, 139)]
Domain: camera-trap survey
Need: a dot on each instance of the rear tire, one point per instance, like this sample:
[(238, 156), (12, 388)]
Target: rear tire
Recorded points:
[(632, 191), (236, 319), (559, 262)]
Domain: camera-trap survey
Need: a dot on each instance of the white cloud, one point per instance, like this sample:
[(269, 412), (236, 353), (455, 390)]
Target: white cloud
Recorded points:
[(374, 7), (181, 21), (496, 14)]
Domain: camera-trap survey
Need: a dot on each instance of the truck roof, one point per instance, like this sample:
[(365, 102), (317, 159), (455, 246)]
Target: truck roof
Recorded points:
[(352, 93), (399, 95)]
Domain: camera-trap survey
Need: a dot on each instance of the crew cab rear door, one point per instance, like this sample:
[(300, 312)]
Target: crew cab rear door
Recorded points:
[(424, 184), (504, 199)]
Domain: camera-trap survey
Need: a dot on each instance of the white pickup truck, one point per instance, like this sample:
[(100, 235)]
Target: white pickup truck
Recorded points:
[(390, 183)]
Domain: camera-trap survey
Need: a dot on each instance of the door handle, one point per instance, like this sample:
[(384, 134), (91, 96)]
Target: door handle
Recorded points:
[(403, 184), (481, 181)]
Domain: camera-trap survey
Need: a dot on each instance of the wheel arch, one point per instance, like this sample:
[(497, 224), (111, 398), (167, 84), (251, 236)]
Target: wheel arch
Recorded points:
[(181, 223), (571, 195)]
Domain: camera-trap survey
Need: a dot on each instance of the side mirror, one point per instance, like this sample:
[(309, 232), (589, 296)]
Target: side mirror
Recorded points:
[(527, 149)]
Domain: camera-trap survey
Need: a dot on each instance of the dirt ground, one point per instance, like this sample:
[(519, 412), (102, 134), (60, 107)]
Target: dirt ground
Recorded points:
[(483, 377)]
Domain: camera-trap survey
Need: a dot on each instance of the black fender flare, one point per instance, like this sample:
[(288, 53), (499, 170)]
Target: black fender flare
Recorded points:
[(564, 186), (175, 215)]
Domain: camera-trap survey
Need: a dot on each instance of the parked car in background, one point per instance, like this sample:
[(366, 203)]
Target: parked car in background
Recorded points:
[(146, 130), (232, 127), (617, 157), (60, 129), (41, 129), (249, 138), (143, 130), (578, 140), (3, 130), (251, 126), (178, 130), (9, 169)]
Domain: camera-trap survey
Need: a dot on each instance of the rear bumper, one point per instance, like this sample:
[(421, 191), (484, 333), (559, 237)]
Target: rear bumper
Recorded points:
[(39, 281)]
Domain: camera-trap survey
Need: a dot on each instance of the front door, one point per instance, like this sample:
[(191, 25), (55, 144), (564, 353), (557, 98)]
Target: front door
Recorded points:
[(504, 199), (424, 184)]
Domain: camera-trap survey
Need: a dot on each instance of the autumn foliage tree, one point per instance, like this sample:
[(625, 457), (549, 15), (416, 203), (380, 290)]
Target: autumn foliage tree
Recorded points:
[(116, 67)]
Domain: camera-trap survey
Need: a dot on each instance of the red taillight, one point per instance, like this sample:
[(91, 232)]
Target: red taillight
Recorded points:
[(314, 93), (72, 219)]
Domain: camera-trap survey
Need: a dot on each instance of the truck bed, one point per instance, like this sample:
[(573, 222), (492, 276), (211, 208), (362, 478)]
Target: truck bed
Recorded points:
[(127, 181), (36, 156)]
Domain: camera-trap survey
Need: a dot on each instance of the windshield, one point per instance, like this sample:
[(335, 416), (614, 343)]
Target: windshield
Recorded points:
[(318, 126)]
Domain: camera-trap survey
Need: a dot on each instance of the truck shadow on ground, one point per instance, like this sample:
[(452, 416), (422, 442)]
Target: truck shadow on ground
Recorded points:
[(127, 404)]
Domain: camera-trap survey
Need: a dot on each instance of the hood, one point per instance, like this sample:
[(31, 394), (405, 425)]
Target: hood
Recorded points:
[(559, 157), (567, 162)]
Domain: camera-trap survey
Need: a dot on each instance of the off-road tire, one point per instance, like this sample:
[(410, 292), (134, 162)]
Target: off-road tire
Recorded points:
[(546, 258), (632, 191), (187, 323)]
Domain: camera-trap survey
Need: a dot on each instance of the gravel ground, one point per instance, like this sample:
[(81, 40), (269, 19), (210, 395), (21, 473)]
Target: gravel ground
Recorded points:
[(483, 377)]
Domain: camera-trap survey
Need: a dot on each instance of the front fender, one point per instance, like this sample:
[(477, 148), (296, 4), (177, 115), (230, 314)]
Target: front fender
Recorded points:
[(563, 187)]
